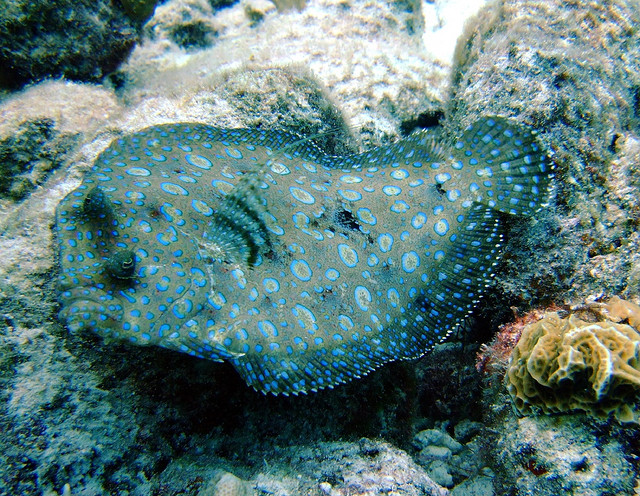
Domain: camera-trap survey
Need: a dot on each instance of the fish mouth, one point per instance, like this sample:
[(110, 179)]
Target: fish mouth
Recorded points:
[(91, 308)]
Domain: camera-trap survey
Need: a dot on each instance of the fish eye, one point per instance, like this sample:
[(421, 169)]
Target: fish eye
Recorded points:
[(122, 264), (97, 205)]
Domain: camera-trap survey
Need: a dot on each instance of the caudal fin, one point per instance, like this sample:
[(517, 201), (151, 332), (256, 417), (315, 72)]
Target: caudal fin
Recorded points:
[(501, 165)]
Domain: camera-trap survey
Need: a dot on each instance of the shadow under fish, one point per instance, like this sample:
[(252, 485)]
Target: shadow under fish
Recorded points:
[(301, 269)]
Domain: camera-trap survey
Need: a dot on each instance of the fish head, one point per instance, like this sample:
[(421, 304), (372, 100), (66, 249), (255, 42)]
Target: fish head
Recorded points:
[(139, 254)]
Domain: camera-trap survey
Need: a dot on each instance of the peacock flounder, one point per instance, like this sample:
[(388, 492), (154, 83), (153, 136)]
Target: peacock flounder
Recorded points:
[(301, 269)]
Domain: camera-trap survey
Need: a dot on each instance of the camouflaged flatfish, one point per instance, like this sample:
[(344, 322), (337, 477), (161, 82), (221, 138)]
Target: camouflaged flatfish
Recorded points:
[(301, 269)]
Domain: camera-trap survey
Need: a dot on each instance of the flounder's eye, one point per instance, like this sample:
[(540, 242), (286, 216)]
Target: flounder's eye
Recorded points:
[(96, 205), (122, 264)]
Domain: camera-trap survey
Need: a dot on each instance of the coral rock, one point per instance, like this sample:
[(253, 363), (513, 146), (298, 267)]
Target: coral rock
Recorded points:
[(564, 364), (226, 484)]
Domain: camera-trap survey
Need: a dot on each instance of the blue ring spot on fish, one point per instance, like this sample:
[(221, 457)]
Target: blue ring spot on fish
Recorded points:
[(419, 220), (385, 242), (270, 284), (138, 171), (441, 227), (400, 174), (350, 195), (267, 328), (363, 297), (302, 195), (393, 297), (391, 190), (233, 153), (410, 261), (201, 207), (399, 207), (199, 161), (306, 317), (345, 322), (222, 186), (332, 274), (301, 269), (173, 189), (365, 215), (348, 255)]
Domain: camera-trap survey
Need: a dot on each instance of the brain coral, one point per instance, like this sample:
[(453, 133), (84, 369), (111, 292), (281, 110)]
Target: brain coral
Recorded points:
[(587, 362)]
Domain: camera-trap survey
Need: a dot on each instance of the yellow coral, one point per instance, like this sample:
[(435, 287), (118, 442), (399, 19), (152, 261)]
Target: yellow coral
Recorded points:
[(564, 364)]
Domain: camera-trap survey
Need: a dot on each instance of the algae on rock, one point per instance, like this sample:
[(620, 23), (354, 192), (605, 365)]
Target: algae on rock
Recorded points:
[(81, 40)]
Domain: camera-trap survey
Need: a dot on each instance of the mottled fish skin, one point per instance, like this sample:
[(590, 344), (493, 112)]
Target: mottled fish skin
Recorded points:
[(301, 269)]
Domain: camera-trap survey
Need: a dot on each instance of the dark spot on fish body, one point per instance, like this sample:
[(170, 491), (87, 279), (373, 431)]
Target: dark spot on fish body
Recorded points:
[(153, 211), (345, 218)]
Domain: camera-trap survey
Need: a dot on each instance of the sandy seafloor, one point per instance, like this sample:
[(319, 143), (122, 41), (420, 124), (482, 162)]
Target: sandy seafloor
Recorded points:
[(83, 417)]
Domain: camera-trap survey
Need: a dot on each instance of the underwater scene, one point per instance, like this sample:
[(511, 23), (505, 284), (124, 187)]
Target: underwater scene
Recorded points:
[(320, 247)]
